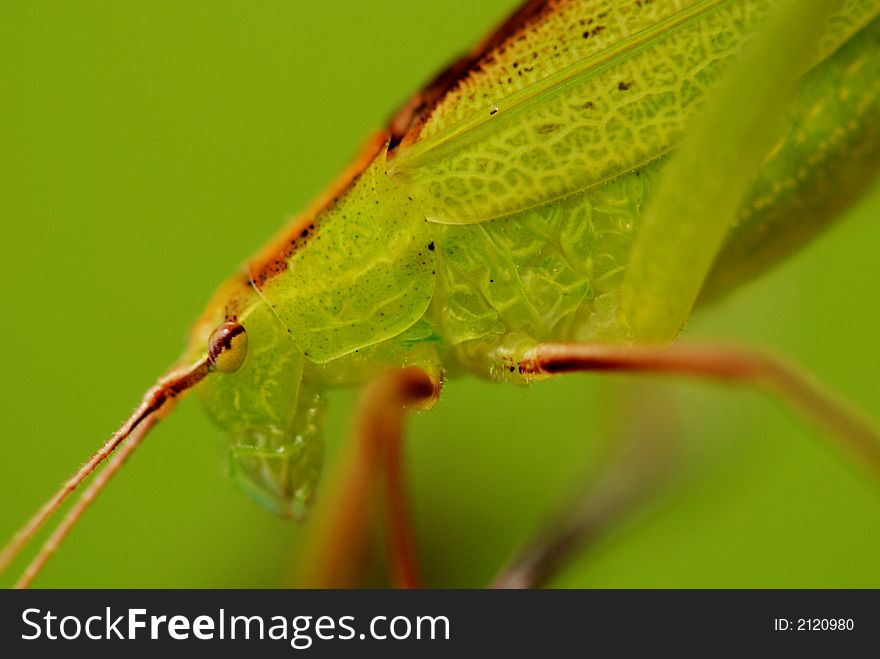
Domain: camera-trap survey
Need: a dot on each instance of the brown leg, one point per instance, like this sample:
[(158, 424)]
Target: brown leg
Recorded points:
[(722, 363), (644, 462), (375, 462)]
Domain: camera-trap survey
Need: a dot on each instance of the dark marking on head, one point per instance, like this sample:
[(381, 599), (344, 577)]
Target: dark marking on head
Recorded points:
[(235, 298)]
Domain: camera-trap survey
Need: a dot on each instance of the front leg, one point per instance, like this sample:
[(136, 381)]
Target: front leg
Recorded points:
[(372, 469)]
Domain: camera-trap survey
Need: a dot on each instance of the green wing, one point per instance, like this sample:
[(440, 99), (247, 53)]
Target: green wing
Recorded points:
[(583, 93), (710, 177)]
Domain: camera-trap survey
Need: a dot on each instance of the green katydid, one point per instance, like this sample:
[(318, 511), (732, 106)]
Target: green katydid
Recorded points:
[(502, 211)]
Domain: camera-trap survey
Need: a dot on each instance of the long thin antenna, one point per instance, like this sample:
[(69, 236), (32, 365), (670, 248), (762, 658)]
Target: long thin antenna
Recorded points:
[(85, 500), (156, 404)]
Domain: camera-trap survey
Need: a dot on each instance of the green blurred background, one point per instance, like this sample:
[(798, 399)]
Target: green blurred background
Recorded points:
[(149, 147)]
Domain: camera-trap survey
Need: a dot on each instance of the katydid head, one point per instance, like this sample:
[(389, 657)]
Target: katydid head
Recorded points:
[(258, 396), (250, 377)]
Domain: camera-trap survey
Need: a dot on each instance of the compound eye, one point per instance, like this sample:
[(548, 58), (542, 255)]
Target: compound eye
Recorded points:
[(227, 348)]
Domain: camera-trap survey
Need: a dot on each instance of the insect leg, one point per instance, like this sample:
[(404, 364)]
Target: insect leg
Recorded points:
[(723, 363), (711, 174), (375, 461), (642, 464), (381, 423)]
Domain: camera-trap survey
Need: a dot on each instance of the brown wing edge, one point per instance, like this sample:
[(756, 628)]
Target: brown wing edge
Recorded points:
[(403, 127), (406, 123), (273, 258)]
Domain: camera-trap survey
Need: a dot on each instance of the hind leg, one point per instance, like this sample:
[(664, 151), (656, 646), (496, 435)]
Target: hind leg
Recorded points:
[(805, 393)]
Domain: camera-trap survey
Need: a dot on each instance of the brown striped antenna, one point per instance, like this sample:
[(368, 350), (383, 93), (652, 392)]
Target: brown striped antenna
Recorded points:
[(226, 352), (156, 404)]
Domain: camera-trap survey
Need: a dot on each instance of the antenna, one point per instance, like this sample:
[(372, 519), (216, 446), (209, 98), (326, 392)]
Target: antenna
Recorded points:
[(155, 406)]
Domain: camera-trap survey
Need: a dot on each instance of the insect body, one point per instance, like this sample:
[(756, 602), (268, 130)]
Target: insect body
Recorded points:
[(514, 228), (498, 213)]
